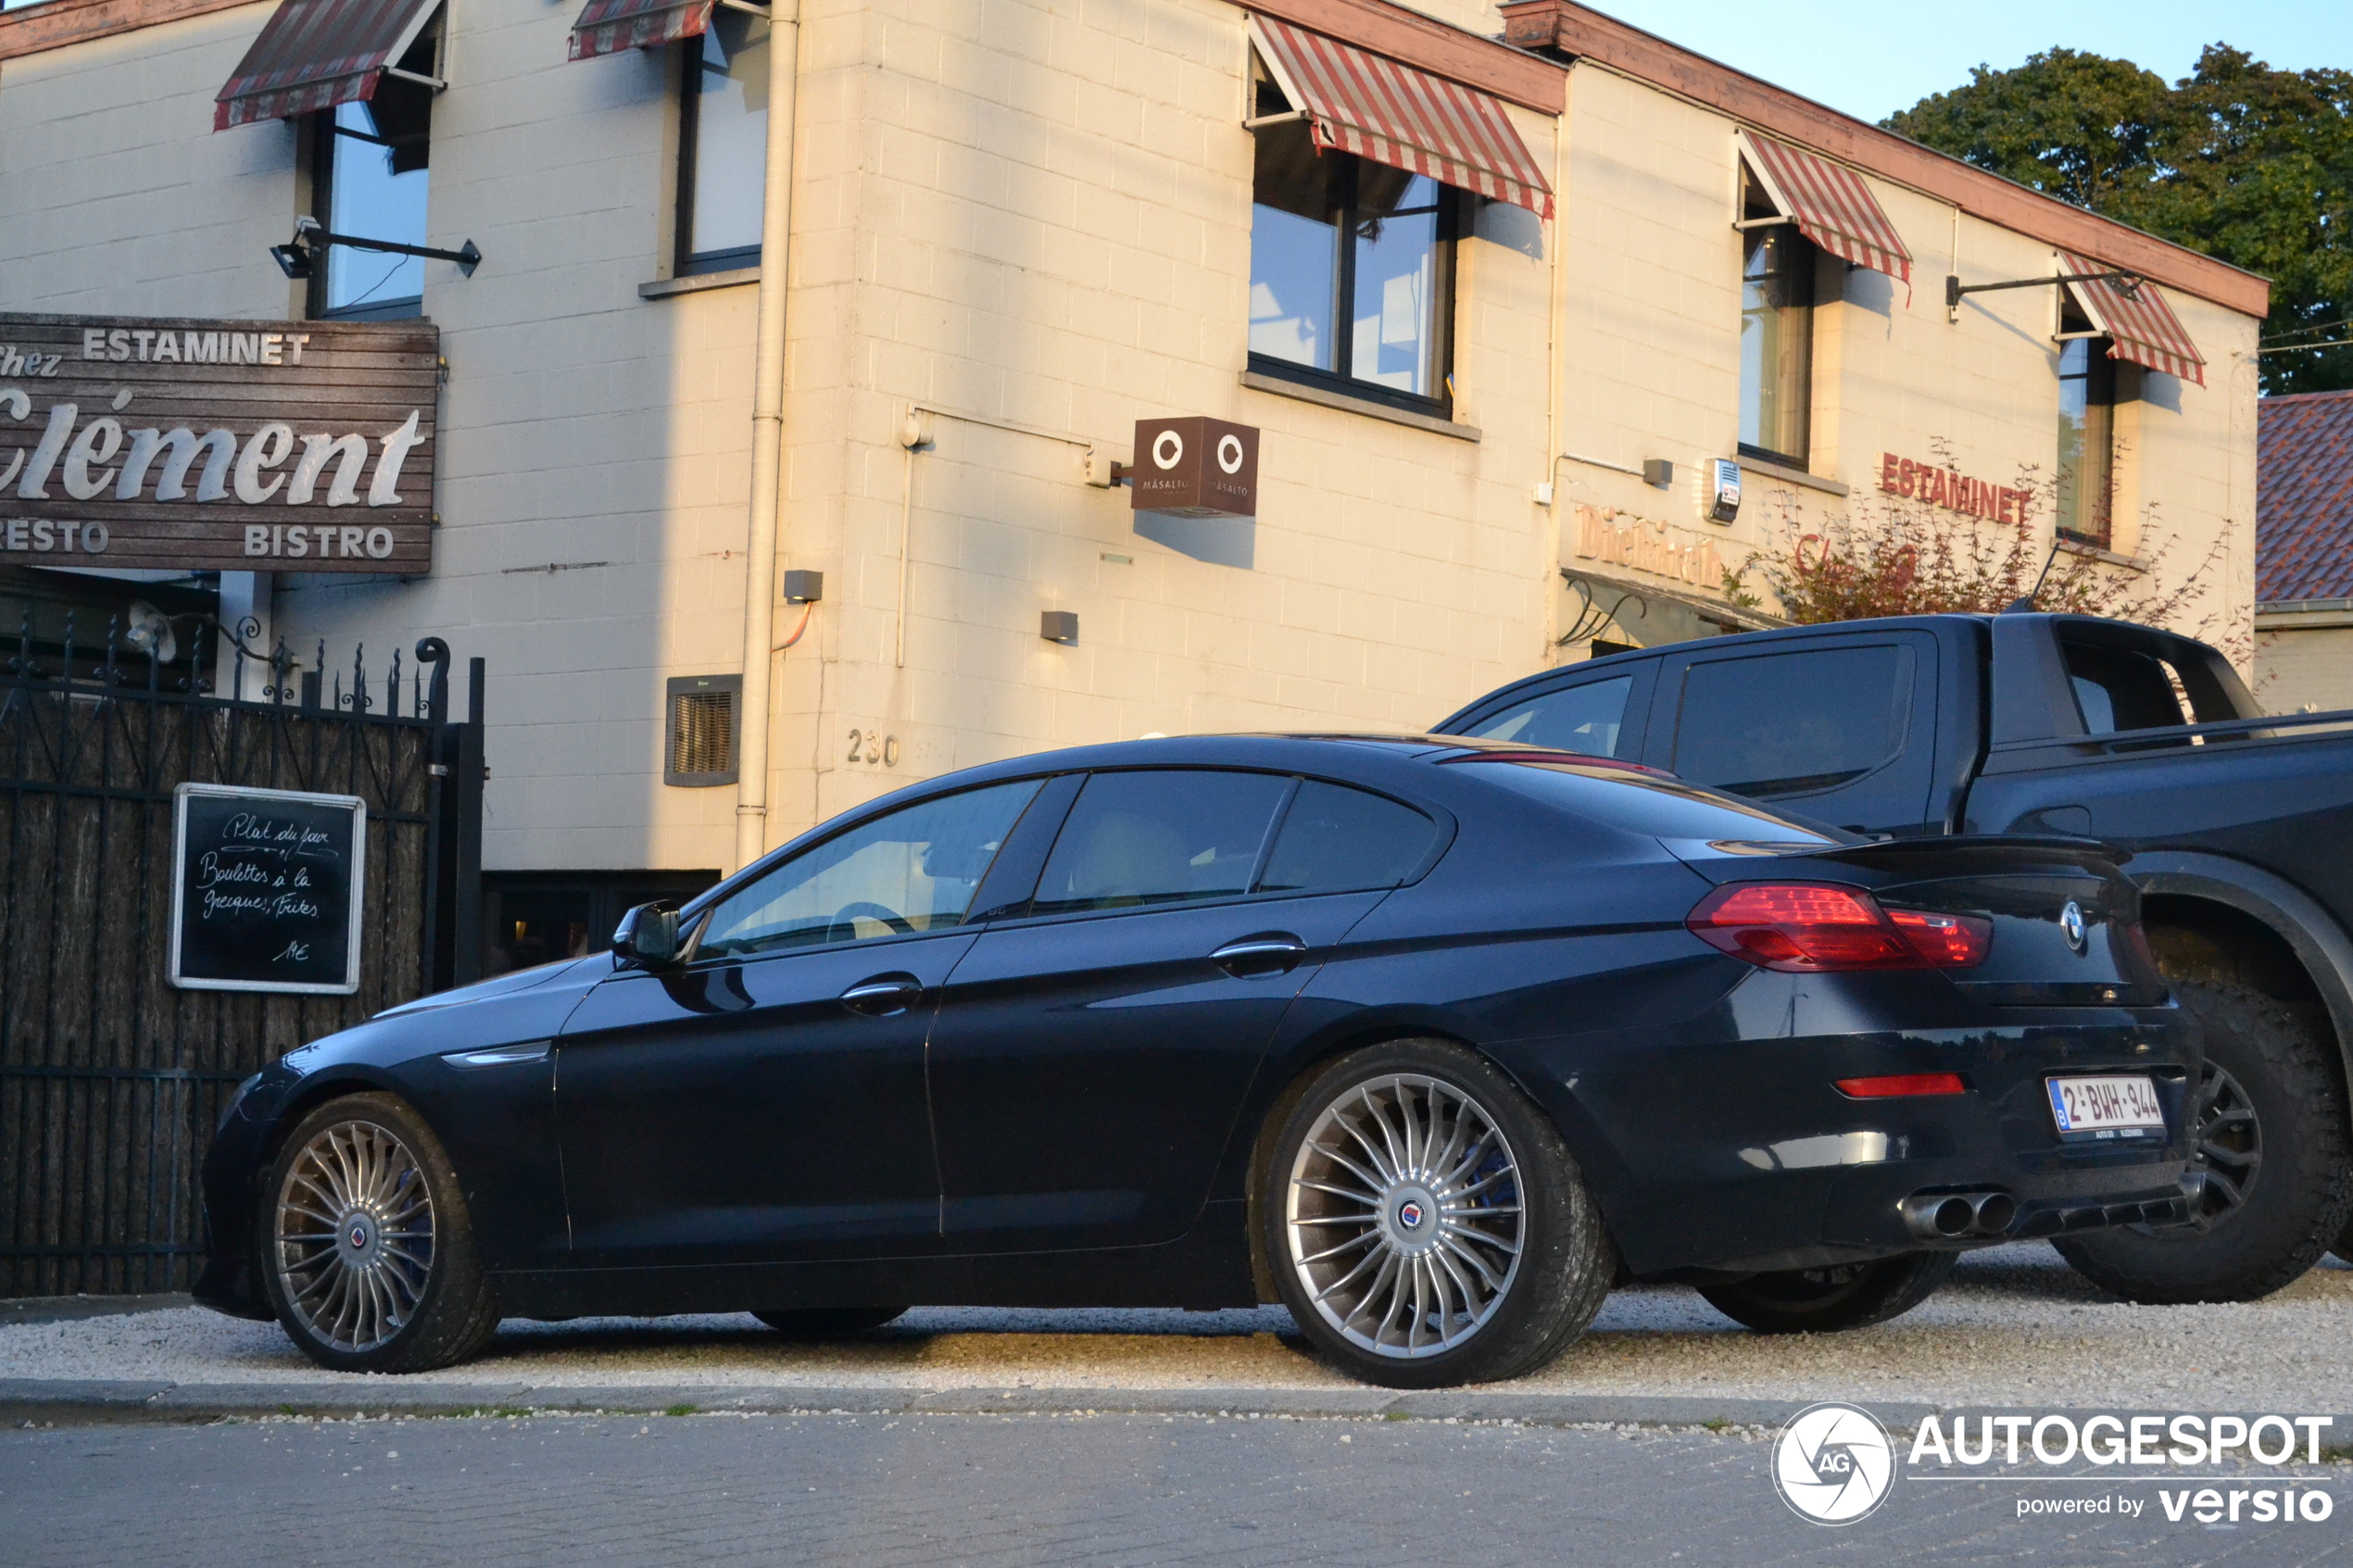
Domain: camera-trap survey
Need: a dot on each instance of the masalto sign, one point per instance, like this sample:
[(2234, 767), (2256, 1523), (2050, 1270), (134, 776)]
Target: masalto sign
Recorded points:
[(217, 445)]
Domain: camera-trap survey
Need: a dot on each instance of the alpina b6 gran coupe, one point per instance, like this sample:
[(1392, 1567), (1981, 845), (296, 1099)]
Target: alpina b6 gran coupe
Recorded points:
[(1431, 1040)]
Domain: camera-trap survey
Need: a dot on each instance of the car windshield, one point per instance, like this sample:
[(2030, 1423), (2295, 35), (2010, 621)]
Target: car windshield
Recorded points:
[(1656, 804)]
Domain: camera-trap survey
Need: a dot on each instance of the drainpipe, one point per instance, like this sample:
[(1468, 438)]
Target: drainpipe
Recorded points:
[(767, 439)]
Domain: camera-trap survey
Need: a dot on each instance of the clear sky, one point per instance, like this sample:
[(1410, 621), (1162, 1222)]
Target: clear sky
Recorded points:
[(1871, 60)]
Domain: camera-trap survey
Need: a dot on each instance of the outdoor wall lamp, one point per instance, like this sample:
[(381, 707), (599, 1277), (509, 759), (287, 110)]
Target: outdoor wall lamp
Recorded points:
[(299, 256), (1058, 625)]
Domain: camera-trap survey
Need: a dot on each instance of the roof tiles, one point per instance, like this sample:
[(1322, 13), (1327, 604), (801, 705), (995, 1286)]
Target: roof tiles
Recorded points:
[(2303, 498)]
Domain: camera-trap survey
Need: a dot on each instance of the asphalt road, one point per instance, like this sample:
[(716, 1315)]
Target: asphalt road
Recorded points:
[(1021, 1489)]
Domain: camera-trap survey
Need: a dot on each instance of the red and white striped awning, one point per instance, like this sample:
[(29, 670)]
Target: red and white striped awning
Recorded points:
[(607, 27), (2140, 325), (312, 54), (1396, 115), (1829, 205)]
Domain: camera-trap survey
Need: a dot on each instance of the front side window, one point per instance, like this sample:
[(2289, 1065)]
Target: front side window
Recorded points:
[(2086, 439), (722, 144), (1776, 344), (370, 181), (1791, 724), (1351, 276), (914, 870), (1161, 836), (1587, 717)]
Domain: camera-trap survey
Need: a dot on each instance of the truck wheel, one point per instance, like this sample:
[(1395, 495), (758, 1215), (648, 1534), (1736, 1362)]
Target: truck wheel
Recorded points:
[(2270, 1137), (1824, 1300)]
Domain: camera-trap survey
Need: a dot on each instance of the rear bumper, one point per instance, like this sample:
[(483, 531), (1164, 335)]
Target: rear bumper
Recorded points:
[(1743, 1156)]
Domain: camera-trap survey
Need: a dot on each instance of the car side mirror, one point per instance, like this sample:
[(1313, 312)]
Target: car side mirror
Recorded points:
[(647, 936)]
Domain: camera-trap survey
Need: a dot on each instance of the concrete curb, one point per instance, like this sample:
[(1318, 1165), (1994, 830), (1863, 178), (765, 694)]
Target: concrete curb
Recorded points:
[(67, 1402)]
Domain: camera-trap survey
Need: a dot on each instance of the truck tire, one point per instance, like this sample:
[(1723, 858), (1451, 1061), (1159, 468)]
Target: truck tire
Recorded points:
[(2271, 1136)]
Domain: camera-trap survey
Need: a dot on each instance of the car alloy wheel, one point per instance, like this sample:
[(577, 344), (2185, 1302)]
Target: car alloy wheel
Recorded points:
[(1405, 1216), (2227, 1145), (354, 1236)]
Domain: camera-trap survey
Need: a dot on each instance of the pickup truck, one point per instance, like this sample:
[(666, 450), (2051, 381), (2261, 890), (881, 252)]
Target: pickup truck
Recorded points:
[(2238, 828)]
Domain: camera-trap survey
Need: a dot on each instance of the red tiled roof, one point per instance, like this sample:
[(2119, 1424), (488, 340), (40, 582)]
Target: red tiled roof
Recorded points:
[(2303, 498)]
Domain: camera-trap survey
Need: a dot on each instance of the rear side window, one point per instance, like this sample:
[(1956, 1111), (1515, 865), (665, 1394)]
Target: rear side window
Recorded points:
[(1791, 724), (1159, 836), (2120, 689), (1334, 837), (1587, 719)]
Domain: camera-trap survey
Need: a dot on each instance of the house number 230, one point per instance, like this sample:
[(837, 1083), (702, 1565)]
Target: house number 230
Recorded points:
[(873, 745)]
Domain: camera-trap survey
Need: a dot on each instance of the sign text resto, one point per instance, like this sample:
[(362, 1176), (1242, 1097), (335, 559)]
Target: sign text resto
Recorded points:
[(217, 445)]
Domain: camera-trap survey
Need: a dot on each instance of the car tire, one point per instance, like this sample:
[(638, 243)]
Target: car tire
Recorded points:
[(1393, 1196), (1829, 1299), (827, 1322), (2271, 1135), (367, 1250)]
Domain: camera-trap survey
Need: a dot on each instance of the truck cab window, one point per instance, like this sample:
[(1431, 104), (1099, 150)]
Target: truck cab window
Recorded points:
[(2117, 689), (1587, 717), (1793, 723)]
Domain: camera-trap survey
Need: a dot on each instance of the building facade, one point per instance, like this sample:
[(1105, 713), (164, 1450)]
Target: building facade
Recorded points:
[(1549, 331), (2304, 565)]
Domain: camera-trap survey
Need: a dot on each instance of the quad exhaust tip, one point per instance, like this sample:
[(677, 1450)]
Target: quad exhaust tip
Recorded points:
[(1950, 1216)]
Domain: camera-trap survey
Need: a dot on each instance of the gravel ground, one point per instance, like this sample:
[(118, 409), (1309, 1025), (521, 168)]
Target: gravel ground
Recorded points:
[(2016, 1327)]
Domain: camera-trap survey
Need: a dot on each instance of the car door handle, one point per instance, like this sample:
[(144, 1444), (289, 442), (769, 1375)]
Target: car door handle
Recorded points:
[(1271, 952), (883, 995)]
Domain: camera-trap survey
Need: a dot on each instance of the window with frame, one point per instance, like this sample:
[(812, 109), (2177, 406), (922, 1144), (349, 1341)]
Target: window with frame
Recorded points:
[(2086, 469), (1777, 343), (1351, 269), (723, 144), (370, 178)]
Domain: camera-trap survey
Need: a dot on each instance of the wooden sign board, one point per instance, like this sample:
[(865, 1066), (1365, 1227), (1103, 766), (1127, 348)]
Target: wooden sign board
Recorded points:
[(217, 445), (1196, 467), (266, 889)]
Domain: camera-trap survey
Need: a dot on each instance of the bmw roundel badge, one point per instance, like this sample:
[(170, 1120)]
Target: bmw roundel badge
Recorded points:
[(2071, 925)]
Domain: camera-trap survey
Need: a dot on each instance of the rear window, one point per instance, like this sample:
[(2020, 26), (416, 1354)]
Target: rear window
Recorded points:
[(1791, 724), (1648, 803), (2120, 689), (1588, 719)]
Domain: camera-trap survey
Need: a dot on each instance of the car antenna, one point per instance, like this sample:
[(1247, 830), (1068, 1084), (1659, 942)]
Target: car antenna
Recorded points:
[(2026, 604)]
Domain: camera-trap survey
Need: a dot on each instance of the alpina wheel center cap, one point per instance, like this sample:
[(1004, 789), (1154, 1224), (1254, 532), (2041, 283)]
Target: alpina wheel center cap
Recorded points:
[(1409, 1218)]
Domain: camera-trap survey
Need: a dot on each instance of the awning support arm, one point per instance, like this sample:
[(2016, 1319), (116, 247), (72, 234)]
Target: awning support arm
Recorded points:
[(2127, 283)]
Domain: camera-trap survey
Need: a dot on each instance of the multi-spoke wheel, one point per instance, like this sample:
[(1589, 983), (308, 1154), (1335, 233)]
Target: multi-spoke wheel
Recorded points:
[(1426, 1223), (2269, 1134), (369, 1258)]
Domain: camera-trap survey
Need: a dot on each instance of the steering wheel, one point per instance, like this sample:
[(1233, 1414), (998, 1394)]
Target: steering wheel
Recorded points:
[(845, 918)]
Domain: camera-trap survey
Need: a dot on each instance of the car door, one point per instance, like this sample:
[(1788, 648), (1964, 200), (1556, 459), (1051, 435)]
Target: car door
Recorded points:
[(1092, 1053), (1826, 729), (764, 1102)]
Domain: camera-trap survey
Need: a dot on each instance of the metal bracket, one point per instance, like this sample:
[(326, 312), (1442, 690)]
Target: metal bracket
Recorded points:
[(2127, 283), (420, 78), (298, 256)]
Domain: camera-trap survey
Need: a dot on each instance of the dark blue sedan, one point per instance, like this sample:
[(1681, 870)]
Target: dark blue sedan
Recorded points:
[(1431, 1040)]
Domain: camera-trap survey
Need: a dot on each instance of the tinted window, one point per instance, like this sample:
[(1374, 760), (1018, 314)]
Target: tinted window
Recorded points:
[(1645, 803), (1159, 837), (1792, 722), (1586, 719), (2121, 690), (1334, 837), (914, 870)]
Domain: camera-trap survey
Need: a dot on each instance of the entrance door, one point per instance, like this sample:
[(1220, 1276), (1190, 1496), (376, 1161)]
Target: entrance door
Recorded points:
[(764, 1102), (1090, 1059)]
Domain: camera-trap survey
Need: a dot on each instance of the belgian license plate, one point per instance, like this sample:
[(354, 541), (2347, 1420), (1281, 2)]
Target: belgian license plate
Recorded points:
[(2120, 1104)]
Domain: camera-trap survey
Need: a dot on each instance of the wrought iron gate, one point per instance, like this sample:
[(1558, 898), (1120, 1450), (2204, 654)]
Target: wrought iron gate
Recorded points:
[(111, 1079)]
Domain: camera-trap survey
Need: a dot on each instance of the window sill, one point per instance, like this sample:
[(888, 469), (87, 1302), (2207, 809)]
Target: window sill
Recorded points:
[(1257, 382), (1793, 476), (2105, 557), (662, 288)]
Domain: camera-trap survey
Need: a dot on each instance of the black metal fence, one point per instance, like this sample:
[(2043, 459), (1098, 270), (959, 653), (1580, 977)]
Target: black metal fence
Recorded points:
[(110, 1078)]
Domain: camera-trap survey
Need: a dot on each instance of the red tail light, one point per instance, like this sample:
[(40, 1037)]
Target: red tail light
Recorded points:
[(1903, 1086), (1807, 929)]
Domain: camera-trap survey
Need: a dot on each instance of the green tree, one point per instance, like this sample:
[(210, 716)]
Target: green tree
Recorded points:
[(2250, 165)]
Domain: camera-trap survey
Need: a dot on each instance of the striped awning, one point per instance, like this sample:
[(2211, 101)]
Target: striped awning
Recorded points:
[(1393, 114), (2141, 325), (312, 54), (1829, 205), (607, 27)]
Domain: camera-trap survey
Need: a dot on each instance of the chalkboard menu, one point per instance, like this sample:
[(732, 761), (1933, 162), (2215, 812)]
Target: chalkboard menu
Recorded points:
[(267, 889)]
